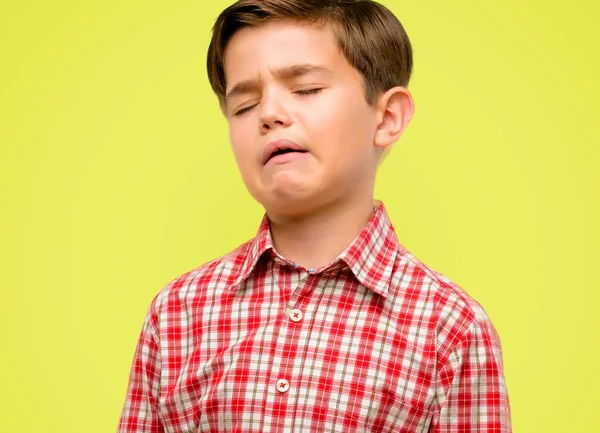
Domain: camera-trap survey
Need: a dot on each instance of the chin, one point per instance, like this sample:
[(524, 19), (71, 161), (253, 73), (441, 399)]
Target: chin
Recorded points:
[(286, 204), (289, 187)]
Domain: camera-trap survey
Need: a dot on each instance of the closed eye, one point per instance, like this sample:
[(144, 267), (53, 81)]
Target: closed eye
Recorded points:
[(243, 110), (308, 91), (299, 92)]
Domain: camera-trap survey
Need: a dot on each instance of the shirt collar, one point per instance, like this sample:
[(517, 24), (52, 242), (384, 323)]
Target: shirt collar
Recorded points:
[(370, 256), (255, 248)]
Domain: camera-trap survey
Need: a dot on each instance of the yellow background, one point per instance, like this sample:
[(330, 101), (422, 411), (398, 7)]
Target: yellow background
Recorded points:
[(117, 176)]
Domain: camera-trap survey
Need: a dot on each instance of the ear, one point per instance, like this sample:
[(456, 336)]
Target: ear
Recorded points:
[(394, 111)]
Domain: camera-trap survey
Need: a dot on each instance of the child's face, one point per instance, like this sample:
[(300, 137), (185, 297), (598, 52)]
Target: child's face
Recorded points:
[(334, 124)]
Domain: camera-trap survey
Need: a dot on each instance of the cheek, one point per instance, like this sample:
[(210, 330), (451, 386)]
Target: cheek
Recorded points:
[(234, 137), (344, 128), (327, 125), (239, 144)]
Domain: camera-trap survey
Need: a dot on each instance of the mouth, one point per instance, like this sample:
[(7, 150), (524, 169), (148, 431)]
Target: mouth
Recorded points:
[(284, 151), (281, 150)]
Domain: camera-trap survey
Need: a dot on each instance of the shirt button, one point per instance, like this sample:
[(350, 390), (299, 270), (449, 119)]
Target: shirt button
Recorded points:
[(283, 385), (296, 315)]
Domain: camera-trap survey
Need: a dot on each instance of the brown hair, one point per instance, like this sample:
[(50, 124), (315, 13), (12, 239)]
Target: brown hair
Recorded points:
[(370, 37)]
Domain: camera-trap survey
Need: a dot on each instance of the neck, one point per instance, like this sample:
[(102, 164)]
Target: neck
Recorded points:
[(316, 239)]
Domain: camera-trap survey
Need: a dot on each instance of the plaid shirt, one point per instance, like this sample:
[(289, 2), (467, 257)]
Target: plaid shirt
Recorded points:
[(373, 342)]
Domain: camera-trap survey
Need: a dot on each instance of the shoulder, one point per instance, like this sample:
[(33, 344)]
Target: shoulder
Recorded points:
[(217, 274), (448, 309)]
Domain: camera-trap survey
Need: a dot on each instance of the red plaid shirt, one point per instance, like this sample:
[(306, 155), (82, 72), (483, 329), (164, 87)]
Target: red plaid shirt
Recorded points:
[(373, 342)]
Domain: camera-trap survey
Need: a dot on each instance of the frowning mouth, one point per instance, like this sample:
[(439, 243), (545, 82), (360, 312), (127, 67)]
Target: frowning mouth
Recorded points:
[(283, 157), (283, 152), (276, 150)]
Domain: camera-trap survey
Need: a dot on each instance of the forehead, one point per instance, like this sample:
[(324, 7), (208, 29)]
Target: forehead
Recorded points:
[(254, 51)]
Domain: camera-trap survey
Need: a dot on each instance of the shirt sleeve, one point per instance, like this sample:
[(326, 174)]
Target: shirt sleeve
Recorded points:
[(471, 394), (140, 411)]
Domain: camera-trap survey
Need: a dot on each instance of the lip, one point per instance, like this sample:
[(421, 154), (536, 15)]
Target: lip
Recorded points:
[(286, 157), (279, 144)]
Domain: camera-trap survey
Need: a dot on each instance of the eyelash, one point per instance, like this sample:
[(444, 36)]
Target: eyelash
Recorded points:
[(299, 92)]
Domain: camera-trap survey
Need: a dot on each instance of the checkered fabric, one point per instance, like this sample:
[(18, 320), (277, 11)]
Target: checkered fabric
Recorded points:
[(373, 342)]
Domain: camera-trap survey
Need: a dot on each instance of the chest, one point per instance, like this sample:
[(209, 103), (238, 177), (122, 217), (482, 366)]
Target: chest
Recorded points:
[(312, 355)]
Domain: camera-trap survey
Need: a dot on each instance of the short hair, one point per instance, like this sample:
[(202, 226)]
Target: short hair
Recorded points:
[(369, 35)]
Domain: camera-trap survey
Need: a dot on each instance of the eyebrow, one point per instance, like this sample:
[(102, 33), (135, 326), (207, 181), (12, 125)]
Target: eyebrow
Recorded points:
[(285, 73)]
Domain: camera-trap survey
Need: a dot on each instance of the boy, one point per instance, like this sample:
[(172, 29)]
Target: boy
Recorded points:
[(323, 322)]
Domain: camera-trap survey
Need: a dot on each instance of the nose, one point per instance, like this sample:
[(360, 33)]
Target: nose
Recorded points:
[(273, 112)]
